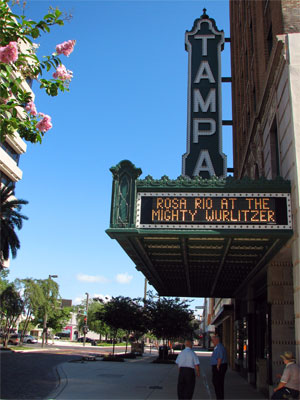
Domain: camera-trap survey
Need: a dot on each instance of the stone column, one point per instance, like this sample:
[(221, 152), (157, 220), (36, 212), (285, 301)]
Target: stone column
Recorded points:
[(281, 300)]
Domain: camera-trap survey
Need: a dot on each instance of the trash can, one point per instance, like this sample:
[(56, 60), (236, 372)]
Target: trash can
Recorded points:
[(163, 352), (94, 343)]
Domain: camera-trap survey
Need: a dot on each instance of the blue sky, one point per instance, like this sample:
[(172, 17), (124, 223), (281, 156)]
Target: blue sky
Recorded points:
[(127, 100)]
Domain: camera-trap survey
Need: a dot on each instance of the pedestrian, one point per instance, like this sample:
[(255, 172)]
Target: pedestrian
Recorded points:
[(289, 384), (189, 366), (218, 362)]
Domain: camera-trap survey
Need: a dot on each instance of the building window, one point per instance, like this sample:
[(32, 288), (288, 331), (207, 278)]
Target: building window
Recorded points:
[(29, 81), (254, 99), (10, 151), (251, 39), (5, 180), (266, 6), (274, 150), (270, 40)]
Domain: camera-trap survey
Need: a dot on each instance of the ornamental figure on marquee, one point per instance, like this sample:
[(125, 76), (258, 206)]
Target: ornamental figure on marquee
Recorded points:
[(204, 155)]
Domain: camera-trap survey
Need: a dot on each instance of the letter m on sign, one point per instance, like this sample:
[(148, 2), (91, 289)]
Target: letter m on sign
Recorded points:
[(204, 154)]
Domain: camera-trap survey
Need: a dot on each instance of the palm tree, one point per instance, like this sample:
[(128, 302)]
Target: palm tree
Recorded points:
[(10, 218)]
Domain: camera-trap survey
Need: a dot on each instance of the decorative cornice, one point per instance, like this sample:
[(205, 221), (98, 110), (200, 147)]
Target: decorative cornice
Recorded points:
[(204, 17), (215, 184), (125, 165)]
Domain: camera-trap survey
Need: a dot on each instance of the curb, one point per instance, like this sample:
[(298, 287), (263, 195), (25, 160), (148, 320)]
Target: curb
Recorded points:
[(62, 382), (32, 350)]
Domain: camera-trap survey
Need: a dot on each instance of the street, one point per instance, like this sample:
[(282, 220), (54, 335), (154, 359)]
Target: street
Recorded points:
[(32, 374), (50, 373), (29, 375)]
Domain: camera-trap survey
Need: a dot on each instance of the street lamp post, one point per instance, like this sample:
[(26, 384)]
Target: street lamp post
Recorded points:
[(85, 326), (46, 314)]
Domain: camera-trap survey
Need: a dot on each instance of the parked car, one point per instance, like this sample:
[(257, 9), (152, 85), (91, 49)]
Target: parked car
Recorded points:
[(87, 340), (29, 339), (14, 339)]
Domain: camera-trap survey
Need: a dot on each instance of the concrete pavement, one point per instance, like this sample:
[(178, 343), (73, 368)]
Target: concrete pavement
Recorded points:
[(141, 379)]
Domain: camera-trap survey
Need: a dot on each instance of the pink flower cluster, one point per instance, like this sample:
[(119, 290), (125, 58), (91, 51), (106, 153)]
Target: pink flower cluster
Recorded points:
[(62, 73), (30, 107), (65, 48), (9, 53), (45, 124)]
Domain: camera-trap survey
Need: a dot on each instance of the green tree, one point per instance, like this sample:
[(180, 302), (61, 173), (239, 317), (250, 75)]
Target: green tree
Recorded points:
[(123, 313), (11, 308), (4, 282), (59, 318), (19, 61), (10, 220), (47, 309), (95, 319), (170, 318), (33, 298)]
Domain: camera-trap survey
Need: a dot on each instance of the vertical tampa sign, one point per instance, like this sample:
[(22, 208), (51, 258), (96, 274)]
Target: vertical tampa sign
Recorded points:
[(204, 154)]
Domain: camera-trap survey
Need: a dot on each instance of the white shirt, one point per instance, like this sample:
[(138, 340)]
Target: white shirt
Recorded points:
[(291, 376), (187, 358)]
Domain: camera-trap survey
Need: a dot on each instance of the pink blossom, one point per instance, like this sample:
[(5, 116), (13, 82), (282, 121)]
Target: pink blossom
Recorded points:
[(45, 124), (9, 53), (65, 48), (62, 73), (30, 107)]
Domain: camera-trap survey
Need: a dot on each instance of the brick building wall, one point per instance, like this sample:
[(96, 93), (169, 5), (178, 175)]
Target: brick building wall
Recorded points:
[(255, 26), (265, 48)]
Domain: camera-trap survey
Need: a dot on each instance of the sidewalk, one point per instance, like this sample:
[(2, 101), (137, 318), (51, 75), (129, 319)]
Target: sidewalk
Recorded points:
[(140, 379)]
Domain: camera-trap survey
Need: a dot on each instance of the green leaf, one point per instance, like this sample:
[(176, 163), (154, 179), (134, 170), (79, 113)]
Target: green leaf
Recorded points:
[(49, 16), (57, 13), (53, 90), (35, 33)]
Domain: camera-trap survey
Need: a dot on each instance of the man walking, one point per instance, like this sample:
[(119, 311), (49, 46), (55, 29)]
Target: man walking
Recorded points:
[(218, 362), (188, 363)]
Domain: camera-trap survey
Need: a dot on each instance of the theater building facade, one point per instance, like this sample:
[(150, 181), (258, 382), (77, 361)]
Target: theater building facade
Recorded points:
[(231, 239)]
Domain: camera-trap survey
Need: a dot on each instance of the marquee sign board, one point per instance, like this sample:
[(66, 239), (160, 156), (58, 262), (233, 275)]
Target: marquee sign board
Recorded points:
[(161, 210), (204, 154)]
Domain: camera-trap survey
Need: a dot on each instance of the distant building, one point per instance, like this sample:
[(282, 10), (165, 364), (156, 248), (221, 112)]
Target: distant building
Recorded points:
[(66, 303)]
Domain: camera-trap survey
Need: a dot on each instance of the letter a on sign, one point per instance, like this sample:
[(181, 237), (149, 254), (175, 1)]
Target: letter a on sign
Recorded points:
[(204, 154)]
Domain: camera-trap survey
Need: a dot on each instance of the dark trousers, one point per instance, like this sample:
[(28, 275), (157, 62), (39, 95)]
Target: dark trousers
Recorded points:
[(285, 392), (186, 383), (218, 377)]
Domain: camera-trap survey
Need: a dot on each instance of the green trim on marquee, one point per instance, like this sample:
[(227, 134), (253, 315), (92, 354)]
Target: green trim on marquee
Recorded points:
[(191, 262)]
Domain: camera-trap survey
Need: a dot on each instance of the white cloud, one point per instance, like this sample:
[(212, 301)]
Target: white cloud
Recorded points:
[(77, 301), (91, 278), (124, 278)]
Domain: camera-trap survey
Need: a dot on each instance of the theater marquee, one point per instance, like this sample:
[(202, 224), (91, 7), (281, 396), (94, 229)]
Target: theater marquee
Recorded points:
[(213, 210)]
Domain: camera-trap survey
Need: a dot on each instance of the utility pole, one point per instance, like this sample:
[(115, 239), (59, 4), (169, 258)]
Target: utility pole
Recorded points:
[(46, 314), (85, 326)]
